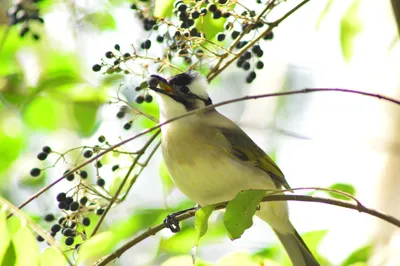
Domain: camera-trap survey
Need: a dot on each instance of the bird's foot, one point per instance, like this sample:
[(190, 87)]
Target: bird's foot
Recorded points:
[(172, 223)]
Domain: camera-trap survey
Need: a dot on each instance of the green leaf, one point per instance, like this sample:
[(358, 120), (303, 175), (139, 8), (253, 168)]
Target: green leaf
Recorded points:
[(240, 258), (350, 27), (166, 180), (184, 260), (240, 211), (101, 20), (12, 141), (85, 114), (10, 256), (163, 8), (209, 26), (51, 256), (358, 256), (324, 12), (96, 247), (26, 247), (201, 221), (347, 188), (313, 239), (45, 113), (5, 237)]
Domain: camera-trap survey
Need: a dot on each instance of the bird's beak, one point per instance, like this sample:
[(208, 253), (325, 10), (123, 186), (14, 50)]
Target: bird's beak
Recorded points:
[(163, 83)]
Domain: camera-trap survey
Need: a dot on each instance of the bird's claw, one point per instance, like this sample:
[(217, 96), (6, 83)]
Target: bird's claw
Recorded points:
[(172, 223)]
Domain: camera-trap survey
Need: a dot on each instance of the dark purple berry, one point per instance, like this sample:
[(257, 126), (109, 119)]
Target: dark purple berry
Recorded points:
[(35, 172), (49, 217), (42, 156), (46, 149), (61, 196), (86, 221), (101, 182), (87, 153), (96, 68), (69, 241)]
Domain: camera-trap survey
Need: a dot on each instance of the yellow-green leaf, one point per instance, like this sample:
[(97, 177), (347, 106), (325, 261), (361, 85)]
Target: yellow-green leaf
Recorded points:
[(51, 256), (163, 8), (240, 211), (96, 247), (347, 188), (26, 247), (350, 27), (5, 237), (201, 221)]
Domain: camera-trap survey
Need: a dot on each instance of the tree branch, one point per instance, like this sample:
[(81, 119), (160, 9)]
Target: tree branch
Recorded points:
[(282, 197), (245, 98)]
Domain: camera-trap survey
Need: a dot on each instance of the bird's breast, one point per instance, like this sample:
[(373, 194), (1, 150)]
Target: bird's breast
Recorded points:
[(203, 171)]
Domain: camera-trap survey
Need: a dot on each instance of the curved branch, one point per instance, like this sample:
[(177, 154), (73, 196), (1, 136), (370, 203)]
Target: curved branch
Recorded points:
[(209, 107), (305, 198)]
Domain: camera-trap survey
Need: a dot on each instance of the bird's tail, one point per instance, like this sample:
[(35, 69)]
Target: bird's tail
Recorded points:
[(297, 250)]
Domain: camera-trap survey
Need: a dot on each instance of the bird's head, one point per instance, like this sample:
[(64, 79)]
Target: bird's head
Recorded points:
[(181, 93)]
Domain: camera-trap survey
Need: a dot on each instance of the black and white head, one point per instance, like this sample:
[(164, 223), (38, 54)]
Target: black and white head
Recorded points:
[(181, 93)]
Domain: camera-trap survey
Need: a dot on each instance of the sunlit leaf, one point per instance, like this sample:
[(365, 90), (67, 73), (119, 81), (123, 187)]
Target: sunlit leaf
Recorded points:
[(313, 239), (201, 221), (5, 237), (101, 20), (183, 261), (324, 12), (45, 113), (96, 247), (350, 27), (209, 26), (85, 114), (26, 247), (240, 211), (347, 188), (163, 8), (241, 258), (51, 256), (361, 255)]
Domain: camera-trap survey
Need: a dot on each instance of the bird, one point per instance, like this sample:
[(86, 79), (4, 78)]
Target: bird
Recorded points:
[(211, 159)]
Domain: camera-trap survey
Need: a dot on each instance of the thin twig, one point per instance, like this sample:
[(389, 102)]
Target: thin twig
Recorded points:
[(216, 70), (245, 98), (114, 198), (34, 226), (283, 197)]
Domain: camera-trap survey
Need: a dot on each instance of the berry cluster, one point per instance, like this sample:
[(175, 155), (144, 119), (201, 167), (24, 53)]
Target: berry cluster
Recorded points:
[(24, 13)]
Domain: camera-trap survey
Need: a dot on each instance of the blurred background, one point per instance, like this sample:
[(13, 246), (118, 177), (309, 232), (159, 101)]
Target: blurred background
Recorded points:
[(49, 95)]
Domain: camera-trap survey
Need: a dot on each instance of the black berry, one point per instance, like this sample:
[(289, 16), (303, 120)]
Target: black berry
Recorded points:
[(46, 149), (55, 228), (269, 36), (160, 38), (259, 65), (246, 65), (139, 99), (96, 68), (148, 98), (101, 139), (67, 232), (101, 182), (39, 238), (100, 211), (74, 206), (116, 47), (70, 177), (69, 241), (35, 172), (99, 164), (235, 34), (115, 167), (49, 217), (86, 221), (220, 37), (68, 200), (42, 156), (83, 174), (109, 54), (87, 153), (212, 7), (61, 196), (153, 82), (83, 200)]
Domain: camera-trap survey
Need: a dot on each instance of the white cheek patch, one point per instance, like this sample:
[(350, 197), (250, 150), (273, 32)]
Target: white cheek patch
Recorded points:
[(199, 87)]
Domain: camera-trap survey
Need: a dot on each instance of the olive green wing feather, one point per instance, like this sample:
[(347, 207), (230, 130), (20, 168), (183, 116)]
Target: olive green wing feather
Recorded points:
[(243, 148)]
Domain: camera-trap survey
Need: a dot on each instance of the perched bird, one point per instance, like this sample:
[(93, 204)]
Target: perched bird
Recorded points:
[(211, 159)]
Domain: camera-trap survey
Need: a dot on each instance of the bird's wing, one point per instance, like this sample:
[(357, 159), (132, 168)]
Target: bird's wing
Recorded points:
[(243, 148)]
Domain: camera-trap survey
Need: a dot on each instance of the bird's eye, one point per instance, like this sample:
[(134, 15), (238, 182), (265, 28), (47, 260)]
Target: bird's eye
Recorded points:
[(184, 90)]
